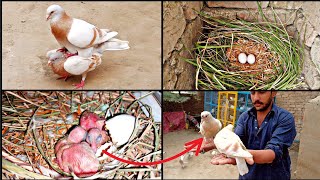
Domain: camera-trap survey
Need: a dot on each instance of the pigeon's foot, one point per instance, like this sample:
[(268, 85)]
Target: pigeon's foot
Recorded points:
[(67, 55), (63, 77), (80, 85)]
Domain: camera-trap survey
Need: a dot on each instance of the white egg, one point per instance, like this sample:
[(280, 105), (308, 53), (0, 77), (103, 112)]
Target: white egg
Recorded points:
[(251, 59), (121, 128), (242, 58)]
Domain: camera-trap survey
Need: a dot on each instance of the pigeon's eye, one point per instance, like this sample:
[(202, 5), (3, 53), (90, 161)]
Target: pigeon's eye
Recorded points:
[(99, 138), (89, 138)]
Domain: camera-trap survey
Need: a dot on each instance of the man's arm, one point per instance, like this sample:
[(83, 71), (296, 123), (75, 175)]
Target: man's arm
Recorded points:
[(263, 156)]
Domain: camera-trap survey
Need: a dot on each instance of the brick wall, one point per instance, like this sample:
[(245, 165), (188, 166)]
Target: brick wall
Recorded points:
[(294, 102)]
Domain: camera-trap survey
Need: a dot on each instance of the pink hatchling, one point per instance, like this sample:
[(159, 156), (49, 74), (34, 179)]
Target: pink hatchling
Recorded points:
[(90, 120), (80, 159), (77, 135), (96, 138)]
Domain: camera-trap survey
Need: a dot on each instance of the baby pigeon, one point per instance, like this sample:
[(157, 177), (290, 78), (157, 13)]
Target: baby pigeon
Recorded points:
[(229, 143), (90, 120), (76, 135), (80, 159), (96, 138)]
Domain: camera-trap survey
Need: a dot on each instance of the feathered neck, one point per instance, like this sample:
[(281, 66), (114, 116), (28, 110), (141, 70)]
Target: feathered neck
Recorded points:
[(59, 17)]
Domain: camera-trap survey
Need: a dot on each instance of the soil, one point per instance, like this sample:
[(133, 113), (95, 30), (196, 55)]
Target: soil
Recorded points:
[(27, 38), (199, 167)]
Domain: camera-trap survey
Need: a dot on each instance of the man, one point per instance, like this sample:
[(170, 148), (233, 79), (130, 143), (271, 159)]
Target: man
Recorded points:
[(267, 131)]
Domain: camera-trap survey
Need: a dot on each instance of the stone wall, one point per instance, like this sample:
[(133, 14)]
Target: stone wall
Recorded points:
[(301, 19), (181, 27), (309, 150), (294, 102)]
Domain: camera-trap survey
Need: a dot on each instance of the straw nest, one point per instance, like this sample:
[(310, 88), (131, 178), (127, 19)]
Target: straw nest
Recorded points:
[(278, 57), (33, 121)]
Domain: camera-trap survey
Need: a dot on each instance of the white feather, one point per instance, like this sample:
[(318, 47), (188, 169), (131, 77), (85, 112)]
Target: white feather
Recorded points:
[(81, 33), (77, 65), (229, 143)]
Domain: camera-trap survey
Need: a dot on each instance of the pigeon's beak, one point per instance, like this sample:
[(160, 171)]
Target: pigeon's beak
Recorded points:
[(48, 16), (49, 63)]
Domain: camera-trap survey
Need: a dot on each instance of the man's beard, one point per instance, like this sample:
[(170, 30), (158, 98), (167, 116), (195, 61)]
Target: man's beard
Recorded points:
[(264, 106)]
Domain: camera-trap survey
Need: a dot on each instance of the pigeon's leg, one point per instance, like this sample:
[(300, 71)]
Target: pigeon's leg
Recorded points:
[(63, 77), (81, 84)]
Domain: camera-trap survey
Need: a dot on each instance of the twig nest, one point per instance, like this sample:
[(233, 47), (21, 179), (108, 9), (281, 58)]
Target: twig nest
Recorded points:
[(251, 59), (242, 58)]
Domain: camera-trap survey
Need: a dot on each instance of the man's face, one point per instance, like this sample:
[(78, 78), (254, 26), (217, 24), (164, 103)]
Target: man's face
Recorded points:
[(262, 99)]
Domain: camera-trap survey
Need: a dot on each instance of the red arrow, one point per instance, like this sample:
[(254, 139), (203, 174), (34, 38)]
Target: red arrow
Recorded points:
[(191, 145)]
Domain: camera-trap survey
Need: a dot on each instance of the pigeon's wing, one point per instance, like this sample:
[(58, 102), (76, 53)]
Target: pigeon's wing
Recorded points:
[(84, 35), (77, 65)]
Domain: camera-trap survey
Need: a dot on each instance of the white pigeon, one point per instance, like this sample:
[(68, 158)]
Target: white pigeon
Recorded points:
[(76, 35), (209, 126), (229, 143), (77, 65)]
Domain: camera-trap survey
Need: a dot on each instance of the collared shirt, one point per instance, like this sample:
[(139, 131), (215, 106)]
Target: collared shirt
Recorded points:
[(276, 132)]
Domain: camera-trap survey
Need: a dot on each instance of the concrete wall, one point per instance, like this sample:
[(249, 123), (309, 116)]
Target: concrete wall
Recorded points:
[(309, 150), (301, 19)]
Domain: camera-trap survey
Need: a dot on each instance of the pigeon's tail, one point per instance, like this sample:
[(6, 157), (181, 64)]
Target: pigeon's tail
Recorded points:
[(242, 166), (107, 35), (112, 44)]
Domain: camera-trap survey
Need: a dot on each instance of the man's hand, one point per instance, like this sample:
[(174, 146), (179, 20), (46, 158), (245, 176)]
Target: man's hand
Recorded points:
[(221, 159), (205, 146)]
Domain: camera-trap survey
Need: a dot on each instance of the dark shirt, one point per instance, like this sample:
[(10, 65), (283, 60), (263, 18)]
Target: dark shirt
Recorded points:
[(276, 132)]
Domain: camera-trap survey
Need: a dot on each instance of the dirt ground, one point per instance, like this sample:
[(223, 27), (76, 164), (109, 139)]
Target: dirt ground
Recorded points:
[(26, 38), (200, 167)]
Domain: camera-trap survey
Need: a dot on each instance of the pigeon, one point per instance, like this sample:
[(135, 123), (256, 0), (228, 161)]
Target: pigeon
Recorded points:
[(76, 135), (75, 35), (90, 120), (68, 153), (78, 158), (96, 138), (228, 143), (209, 126), (184, 159), (66, 66)]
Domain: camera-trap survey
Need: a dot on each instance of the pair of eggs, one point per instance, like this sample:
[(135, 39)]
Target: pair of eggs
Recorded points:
[(243, 58)]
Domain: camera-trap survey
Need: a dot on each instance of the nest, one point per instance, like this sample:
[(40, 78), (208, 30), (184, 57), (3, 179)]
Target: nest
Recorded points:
[(278, 57), (33, 121)]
